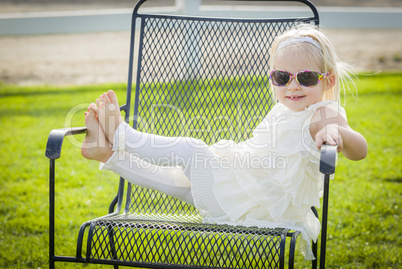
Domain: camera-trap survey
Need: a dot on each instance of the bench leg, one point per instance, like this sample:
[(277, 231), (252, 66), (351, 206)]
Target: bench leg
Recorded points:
[(292, 250), (51, 212), (314, 262)]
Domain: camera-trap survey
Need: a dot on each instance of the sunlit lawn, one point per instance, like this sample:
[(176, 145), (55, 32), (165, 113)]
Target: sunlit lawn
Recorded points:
[(365, 197)]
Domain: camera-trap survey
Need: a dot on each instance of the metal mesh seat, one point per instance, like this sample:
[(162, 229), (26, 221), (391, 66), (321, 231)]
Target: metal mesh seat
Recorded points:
[(165, 243), (205, 78)]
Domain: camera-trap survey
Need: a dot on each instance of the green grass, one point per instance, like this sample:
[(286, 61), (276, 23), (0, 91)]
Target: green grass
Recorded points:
[(365, 209)]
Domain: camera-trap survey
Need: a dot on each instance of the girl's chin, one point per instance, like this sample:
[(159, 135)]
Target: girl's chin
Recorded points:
[(296, 106)]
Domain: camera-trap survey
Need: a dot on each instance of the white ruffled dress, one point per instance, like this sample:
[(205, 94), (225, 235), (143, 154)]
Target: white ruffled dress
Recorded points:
[(270, 180)]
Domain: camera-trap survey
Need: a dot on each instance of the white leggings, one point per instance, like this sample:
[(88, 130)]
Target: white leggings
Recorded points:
[(156, 162)]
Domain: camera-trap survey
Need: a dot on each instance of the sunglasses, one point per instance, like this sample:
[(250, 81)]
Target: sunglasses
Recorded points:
[(305, 78)]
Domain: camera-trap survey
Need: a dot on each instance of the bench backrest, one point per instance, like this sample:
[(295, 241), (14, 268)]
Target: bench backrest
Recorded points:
[(206, 78)]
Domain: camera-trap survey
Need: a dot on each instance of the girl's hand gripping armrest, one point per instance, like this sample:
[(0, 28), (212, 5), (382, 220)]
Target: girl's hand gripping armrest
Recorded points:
[(328, 126)]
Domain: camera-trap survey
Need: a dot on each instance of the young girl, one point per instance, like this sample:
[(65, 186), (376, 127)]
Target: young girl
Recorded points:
[(270, 180)]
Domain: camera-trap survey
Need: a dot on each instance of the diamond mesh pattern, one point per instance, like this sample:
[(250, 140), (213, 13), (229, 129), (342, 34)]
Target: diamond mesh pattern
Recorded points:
[(186, 244), (208, 79)]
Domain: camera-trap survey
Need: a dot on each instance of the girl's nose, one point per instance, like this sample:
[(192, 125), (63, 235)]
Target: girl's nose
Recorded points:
[(293, 85)]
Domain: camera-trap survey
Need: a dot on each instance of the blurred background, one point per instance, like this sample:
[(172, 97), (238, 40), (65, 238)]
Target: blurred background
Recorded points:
[(58, 5), (35, 50)]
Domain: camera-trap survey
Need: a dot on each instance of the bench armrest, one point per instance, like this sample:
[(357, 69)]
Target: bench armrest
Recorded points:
[(55, 140), (328, 159)]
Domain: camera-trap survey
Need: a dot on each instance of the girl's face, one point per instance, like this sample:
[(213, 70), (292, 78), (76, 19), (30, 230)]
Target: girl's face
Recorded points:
[(293, 95)]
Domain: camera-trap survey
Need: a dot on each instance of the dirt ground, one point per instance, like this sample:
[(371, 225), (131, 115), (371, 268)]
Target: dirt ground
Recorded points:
[(93, 58), (11, 6)]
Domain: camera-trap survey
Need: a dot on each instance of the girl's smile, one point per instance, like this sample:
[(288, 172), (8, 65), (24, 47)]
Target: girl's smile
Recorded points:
[(295, 97)]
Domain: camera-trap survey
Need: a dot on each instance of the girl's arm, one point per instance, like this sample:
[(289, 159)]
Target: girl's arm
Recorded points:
[(328, 126)]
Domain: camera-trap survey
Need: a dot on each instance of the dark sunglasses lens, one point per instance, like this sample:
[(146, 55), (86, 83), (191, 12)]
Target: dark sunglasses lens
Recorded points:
[(308, 78), (280, 78)]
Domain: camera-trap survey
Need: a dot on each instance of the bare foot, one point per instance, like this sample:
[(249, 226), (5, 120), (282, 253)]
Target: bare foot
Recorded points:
[(94, 108), (109, 114), (95, 146)]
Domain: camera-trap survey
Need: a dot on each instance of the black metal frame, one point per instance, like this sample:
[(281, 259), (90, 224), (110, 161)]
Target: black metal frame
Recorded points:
[(53, 151)]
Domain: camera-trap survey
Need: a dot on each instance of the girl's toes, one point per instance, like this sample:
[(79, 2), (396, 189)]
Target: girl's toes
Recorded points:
[(112, 96), (107, 99), (102, 103), (94, 108)]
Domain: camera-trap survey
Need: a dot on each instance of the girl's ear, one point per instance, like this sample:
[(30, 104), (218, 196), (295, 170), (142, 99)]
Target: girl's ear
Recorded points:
[(330, 81)]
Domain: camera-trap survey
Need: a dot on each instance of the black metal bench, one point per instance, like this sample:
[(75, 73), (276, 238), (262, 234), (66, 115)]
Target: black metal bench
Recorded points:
[(200, 77)]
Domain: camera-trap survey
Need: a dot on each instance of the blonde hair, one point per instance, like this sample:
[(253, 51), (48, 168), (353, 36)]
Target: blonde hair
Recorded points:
[(325, 58)]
